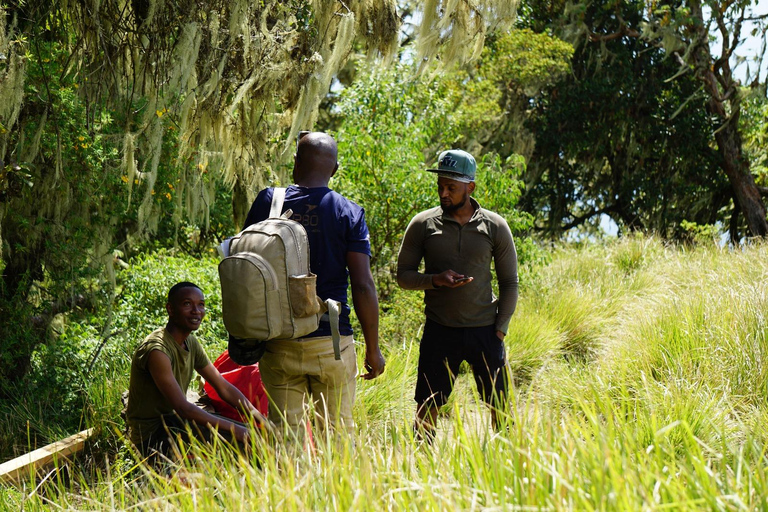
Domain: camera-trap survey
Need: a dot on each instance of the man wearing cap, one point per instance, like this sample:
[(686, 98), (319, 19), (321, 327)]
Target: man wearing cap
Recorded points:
[(298, 371), (465, 322)]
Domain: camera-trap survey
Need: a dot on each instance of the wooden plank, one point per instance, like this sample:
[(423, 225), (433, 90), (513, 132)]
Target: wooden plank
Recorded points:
[(35, 460)]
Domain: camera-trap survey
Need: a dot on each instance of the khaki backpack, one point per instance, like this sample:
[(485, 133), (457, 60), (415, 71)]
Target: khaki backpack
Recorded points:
[(267, 289)]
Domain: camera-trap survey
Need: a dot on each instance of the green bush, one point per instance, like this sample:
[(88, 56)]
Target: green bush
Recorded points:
[(143, 290)]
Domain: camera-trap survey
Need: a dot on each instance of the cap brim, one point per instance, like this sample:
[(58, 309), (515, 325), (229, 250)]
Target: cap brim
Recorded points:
[(452, 175)]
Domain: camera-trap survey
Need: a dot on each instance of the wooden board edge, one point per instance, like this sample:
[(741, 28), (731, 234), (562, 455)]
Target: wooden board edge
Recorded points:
[(33, 461)]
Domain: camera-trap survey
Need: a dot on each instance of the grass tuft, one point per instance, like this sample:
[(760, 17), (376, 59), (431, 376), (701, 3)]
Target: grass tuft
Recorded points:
[(640, 384)]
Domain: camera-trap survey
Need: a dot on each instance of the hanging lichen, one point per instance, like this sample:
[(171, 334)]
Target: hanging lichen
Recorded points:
[(12, 75), (128, 168), (456, 29), (206, 92)]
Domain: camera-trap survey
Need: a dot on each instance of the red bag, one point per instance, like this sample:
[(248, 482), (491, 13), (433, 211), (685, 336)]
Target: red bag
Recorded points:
[(245, 378)]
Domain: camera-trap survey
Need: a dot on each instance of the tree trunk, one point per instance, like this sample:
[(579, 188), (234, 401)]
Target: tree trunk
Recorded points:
[(745, 190), (722, 89), (733, 228)]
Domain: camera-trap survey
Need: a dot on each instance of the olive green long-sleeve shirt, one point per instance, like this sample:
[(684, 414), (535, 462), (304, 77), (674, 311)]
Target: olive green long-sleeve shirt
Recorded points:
[(444, 244)]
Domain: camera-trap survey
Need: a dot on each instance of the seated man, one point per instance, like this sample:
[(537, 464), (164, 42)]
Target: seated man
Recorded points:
[(161, 371)]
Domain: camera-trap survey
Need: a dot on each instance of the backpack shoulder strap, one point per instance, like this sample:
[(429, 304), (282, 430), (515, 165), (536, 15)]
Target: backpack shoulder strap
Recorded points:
[(333, 313), (278, 196)]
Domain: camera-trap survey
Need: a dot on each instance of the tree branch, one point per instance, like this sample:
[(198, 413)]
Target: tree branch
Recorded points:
[(578, 221), (625, 31)]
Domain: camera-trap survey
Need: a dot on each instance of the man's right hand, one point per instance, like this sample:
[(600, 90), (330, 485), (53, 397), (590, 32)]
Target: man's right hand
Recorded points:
[(450, 279), (374, 364)]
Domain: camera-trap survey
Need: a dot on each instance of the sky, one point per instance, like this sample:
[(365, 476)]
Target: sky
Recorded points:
[(750, 47)]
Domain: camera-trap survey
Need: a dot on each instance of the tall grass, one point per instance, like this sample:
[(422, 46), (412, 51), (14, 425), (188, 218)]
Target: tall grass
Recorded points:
[(640, 383)]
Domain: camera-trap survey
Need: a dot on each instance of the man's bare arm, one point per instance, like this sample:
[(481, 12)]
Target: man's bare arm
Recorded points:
[(159, 366), (229, 393), (366, 304)]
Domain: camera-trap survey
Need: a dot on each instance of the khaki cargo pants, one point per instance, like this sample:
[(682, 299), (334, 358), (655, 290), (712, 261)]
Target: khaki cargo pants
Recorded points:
[(303, 371)]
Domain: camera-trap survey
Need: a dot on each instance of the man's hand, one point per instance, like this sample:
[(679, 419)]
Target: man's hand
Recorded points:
[(366, 304), (258, 418), (374, 364), (240, 433), (450, 279), (262, 423), (500, 335)]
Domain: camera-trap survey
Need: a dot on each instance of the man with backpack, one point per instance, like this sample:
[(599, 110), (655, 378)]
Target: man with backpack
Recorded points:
[(298, 370), (458, 241)]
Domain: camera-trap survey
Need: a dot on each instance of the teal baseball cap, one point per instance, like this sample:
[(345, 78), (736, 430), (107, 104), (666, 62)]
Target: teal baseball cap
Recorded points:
[(456, 164)]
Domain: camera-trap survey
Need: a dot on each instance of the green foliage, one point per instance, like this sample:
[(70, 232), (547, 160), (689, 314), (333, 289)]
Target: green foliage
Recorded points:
[(754, 119), (68, 205), (617, 136), (19, 337), (59, 154), (700, 234), (499, 189), (402, 318), (51, 397), (525, 60), (54, 205), (387, 120)]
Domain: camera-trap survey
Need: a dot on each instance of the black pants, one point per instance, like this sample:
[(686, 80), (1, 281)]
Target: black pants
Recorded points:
[(175, 428), (441, 353)]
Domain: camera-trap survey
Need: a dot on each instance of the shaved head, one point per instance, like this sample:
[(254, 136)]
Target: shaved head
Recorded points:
[(316, 160)]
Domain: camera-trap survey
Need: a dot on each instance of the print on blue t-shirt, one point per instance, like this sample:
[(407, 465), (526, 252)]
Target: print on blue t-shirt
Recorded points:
[(335, 226)]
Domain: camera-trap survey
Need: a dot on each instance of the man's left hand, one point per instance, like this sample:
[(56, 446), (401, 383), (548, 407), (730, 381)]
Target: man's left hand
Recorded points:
[(500, 335), (374, 364), (260, 421), (257, 416)]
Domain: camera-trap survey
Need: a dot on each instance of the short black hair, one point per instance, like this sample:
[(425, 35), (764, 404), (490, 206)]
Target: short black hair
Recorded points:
[(180, 286)]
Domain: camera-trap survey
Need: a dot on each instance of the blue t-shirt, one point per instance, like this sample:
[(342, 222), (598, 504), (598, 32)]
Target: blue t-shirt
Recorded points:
[(335, 226)]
